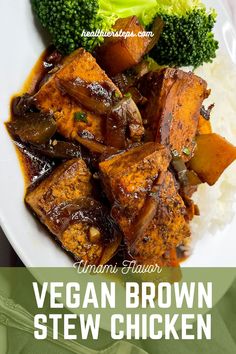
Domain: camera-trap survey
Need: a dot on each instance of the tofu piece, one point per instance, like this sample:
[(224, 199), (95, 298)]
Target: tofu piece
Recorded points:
[(70, 181), (173, 108), (128, 180), (168, 228), (117, 54), (62, 201), (128, 177), (82, 65)]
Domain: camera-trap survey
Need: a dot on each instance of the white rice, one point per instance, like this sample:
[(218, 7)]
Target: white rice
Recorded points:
[(217, 203)]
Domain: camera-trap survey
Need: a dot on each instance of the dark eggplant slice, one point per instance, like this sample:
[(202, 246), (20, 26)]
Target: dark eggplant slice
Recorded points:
[(36, 166), (116, 125), (34, 127), (57, 149), (123, 121), (53, 59), (138, 98), (22, 105), (122, 82)]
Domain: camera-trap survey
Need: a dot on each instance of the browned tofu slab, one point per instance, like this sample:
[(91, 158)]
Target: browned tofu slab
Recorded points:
[(173, 108), (117, 54), (129, 176), (129, 180), (168, 228), (63, 202), (79, 65), (68, 182)]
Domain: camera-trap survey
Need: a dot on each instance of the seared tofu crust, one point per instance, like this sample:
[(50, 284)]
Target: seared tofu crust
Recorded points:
[(70, 181), (128, 179), (63, 202), (173, 108), (168, 228), (79, 65)]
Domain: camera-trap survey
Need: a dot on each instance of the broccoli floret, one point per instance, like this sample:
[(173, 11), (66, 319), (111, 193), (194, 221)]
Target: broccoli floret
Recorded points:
[(187, 40), (65, 20)]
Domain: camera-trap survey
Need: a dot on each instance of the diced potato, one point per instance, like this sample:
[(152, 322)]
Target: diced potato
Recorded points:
[(212, 156), (117, 54), (204, 126)]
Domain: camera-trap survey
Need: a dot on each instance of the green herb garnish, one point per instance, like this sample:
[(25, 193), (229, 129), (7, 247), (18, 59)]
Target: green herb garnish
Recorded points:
[(80, 117), (153, 194), (186, 151), (117, 95), (128, 95)]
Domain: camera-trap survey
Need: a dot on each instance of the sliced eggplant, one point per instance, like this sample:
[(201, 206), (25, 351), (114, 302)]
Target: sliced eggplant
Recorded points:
[(34, 127), (57, 149)]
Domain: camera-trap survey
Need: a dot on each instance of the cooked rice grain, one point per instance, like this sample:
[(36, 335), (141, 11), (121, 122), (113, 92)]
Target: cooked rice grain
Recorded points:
[(217, 203)]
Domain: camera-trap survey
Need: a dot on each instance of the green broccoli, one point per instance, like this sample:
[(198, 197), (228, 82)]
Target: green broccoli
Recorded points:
[(65, 20), (187, 38)]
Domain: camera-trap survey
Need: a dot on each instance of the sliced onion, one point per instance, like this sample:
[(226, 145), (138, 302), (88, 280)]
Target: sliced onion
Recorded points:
[(180, 168), (149, 209), (59, 149), (116, 125), (136, 129), (93, 145), (95, 97)]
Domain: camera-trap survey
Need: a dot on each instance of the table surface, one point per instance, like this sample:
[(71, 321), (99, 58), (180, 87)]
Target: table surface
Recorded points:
[(8, 257)]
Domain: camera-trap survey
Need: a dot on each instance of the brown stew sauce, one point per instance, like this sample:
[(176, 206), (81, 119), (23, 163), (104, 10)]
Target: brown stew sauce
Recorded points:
[(33, 164)]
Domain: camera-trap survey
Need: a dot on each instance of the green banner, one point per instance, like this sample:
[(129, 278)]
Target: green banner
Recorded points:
[(118, 310)]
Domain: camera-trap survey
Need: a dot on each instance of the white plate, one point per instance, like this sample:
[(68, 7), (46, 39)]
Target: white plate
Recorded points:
[(21, 45)]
